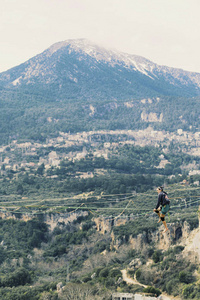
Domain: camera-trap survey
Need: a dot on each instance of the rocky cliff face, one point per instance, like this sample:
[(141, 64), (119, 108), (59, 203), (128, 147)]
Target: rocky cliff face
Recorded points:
[(192, 244), (105, 224), (179, 234), (52, 220)]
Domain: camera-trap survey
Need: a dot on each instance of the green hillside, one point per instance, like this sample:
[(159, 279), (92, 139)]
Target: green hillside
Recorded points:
[(37, 117), (34, 259)]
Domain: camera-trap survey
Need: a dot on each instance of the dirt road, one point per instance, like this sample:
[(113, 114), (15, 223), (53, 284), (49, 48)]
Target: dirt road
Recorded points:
[(131, 280), (134, 281)]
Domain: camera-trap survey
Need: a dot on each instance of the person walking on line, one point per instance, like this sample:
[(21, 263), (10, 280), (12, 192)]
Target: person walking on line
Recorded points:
[(162, 207)]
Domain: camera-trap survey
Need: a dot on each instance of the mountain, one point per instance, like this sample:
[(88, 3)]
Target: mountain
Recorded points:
[(77, 86), (78, 69)]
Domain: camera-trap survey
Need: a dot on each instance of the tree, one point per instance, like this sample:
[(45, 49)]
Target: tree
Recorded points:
[(186, 277), (152, 290), (19, 277), (77, 291), (20, 189), (157, 256), (40, 170)]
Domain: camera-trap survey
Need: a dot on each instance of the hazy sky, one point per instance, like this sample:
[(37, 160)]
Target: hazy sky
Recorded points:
[(164, 31)]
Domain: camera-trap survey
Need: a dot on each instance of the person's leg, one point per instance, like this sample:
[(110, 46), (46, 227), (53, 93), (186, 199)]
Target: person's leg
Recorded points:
[(162, 217), (157, 211)]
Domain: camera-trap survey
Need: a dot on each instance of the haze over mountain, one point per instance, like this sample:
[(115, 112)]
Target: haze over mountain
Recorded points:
[(78, 69)]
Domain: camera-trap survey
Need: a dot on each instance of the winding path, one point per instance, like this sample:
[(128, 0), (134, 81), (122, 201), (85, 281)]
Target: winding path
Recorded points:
[(134, 281), (130, 280)]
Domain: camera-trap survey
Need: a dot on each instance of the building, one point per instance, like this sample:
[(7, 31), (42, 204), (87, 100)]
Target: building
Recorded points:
[(122, 296), (143, 297), (130, 296)]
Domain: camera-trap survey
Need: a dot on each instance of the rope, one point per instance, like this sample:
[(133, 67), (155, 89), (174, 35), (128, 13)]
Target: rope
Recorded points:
[(91, 209)]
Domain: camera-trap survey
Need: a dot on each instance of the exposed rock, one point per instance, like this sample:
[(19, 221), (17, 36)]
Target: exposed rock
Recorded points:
[(53, 219), (59, 287), (192, 244), (178, 233), (105, 224), (93, 275), (151, 117), (135, 263), (22, 217)]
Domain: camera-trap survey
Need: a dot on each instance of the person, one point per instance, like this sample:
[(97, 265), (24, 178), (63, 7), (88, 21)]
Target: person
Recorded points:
[(162, 206)]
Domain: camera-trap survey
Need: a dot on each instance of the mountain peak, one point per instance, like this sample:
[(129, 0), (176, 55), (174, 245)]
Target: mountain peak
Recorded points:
[(84, 46), (83, 69), (114, 57), (72, 43)]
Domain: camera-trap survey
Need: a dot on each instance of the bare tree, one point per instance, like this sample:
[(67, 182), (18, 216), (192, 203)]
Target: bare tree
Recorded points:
[(74, 291)]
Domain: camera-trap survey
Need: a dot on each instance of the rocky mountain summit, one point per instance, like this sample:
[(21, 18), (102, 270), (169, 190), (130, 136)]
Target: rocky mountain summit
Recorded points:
[(82, 70)]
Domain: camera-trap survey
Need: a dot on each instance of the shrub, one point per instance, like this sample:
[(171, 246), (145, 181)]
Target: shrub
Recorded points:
[(188, 291), (131, 273), (86, 278), (171, 286), (157, 256), (19, 277), (104, 272), (152, 290), (99, 247), (138, 274), (186, 277), (116, 273), (175, 250)]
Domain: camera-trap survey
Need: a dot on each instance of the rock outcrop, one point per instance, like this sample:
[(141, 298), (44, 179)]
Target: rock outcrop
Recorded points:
[(106, 224), (179, 234), (192, 244), (51, 219)]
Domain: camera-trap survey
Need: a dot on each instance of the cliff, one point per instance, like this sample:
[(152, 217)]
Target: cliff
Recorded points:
[(51, 219), (179, 234), (192, 243)]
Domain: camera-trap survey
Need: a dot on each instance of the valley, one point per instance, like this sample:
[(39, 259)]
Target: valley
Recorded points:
[(87, 134)]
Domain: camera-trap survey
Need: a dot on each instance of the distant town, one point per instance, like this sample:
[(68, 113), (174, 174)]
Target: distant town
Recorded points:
[(30, 155)]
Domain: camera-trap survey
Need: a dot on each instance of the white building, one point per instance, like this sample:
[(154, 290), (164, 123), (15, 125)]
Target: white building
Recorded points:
[(141, 297), (130, 296), (122, 296)]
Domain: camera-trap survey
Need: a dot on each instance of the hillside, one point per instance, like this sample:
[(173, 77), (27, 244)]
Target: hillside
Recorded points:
[(59, 255), (33, 118)]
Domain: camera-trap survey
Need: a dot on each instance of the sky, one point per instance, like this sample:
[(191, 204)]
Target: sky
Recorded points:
[(164, 31)]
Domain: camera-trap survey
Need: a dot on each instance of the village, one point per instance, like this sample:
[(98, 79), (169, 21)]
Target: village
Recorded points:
[(67, 146)]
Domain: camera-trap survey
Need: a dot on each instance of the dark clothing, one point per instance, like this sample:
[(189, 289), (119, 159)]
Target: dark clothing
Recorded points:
[(165, 209), (162, 199)]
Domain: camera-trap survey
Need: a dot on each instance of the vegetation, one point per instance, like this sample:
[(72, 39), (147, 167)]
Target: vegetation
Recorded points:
[(25, 114), (50, 248), (34, 258), (32, 254)]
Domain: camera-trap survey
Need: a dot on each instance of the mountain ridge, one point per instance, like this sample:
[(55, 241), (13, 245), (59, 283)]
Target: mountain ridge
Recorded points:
[(81, 69)]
